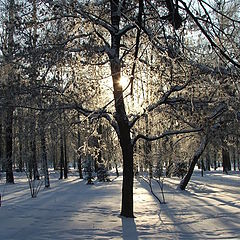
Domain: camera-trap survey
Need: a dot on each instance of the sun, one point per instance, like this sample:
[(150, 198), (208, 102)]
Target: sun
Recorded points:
[(124, 81)]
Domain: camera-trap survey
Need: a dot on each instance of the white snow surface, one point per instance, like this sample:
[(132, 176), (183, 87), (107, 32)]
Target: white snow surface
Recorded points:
[(70, 209)]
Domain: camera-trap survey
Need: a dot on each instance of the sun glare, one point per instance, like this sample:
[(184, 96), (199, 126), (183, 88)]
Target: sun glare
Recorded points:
[(124, 81)]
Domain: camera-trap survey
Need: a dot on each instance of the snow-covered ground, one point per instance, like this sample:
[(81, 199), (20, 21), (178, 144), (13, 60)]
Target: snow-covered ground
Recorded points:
[(70, 209)]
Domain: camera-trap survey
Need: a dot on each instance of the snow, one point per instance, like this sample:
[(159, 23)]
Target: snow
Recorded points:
[(70, 209)]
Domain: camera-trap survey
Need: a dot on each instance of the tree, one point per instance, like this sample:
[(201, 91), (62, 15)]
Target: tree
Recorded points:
[(110, 31), (9, 90), (83, 43)]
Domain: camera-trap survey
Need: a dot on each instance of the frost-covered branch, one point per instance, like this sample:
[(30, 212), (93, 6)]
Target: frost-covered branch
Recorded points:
[(165, 134), (96, 114), (164, 100), (208, 37)]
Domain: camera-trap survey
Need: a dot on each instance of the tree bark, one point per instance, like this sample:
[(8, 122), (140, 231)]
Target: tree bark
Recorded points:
[(65, 153), (1, 142), (147, 150), (125, 143), (61, 155), (44, 153), (238, 162), (234, 159), (8, 145), (121, 116), (208, 164), (80, 167), (20, 142), (226, 160), (34, 151), (215, 160), (9, 108), (79, 154), (196, 156), (202, 167)]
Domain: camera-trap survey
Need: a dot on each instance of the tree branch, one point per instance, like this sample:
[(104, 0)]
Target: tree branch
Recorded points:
[(213, 44), (163, 100), (165, 134)]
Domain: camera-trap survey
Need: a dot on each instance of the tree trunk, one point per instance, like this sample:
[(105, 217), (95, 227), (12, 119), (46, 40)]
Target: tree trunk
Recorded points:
[(116, 168), (125, 143), (208, 163), (170, 166), (215, 160), (54, 147), (61, 155), (9, 108), (80, 167), (238, 162), (237, 154), (44, 157), (65, 153), (120, 116), (34, 151), (234, 159), (125, 140), (8, 145), (54, 143), (147, 151), (226, 160), (202, 167), (1, 142), (79, 153), (20, 142), (196, 156), (198, 164)]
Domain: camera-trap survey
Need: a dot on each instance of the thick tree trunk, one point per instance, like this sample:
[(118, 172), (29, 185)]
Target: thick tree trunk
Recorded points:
[(121, 117), (125, 143), (226, 160), (127, 187), (196, 156)]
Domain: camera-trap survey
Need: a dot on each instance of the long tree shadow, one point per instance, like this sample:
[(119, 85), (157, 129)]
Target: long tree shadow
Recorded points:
[(129, 229)]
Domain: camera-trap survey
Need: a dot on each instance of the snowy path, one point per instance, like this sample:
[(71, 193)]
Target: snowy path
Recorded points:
[(72, 210)]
